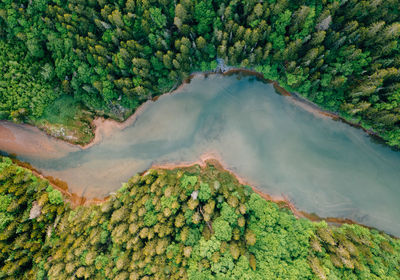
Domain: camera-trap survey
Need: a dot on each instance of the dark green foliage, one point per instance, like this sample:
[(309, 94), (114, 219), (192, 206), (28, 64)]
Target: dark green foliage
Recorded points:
[(112, 56), (24, 86), (153, 228)]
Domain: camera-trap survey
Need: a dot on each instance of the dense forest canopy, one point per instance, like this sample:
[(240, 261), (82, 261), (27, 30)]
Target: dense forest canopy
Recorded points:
[(113, 55), (194, 223), (191, 223)]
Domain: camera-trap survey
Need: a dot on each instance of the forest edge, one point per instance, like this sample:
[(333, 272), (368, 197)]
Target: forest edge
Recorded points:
[(211, 159), (106, 125)]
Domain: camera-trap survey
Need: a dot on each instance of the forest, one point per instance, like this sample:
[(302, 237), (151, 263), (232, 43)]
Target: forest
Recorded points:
[(64, 62), (186, 223), (111, 56)]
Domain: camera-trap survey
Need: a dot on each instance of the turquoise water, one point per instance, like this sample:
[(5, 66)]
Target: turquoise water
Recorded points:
[(323, 166)]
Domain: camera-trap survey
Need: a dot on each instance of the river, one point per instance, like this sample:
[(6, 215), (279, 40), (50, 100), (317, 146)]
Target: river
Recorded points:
[(323, 166)]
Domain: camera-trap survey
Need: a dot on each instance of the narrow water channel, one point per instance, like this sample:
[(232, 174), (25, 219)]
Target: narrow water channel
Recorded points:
[(323, 166)]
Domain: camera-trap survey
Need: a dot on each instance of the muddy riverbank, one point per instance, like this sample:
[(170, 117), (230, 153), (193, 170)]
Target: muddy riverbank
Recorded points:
[(106, 126), (206, 159), (282, 147)]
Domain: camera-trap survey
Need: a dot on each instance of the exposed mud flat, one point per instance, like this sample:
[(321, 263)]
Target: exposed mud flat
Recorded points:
[(24, 139)]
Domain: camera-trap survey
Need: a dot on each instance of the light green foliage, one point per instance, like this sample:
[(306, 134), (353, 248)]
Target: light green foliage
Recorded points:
[(269, 71), (204, 192), (264, 212), (55, 196), (228, 214), (167, 203), (222, 229), (159, 19), (223, 267), (68, 113), (188, 182), (208, 247), (150, 219), (131, 234)]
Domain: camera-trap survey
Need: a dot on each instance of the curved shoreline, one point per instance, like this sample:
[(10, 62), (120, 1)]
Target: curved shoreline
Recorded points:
[(211, 158), (214, 159), (73, 198), (104, 127), (282, 200)]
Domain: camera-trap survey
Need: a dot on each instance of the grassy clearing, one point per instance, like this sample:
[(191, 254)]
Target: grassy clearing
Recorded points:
[(67, 119)]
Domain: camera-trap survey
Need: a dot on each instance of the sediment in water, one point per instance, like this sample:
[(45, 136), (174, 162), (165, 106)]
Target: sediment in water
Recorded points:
[(206, 159), (106, 127)]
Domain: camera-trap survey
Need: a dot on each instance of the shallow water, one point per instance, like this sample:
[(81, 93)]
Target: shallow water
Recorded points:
[(323, 166)]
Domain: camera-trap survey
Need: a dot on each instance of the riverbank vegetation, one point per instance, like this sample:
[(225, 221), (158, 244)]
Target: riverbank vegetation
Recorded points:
[(29, 93), (188, 223), (113, 55), (66, 118)]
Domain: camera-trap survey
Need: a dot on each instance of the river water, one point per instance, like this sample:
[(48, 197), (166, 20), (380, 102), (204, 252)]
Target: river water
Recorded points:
[(321, 165)]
